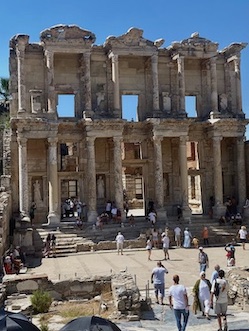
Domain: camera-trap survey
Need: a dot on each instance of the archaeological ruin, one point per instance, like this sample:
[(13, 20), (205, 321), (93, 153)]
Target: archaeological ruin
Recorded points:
[(167, 151)]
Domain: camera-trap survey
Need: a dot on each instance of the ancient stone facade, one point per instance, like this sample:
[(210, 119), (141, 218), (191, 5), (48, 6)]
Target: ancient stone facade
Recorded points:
[(163, 154)]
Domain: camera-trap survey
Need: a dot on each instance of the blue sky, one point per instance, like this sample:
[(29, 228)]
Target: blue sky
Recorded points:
[(223, 22)]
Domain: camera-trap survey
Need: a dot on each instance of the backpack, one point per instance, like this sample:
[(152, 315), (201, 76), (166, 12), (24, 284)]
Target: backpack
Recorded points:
[(216, 289)]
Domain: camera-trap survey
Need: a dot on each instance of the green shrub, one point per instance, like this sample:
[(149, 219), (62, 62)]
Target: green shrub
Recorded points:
[(41, 301), (44, 327)]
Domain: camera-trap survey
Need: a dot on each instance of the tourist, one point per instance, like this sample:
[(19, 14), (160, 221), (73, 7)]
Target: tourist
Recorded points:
[(177, 232), (120, 242), (47, 246), (195, 242), (154, 234), (149, 247), (179, 213), (220, 289), (157, 278), (242, 235), (230, 255), (201, 292), (132, 220), (114, 211), (187, 238), (178, 294), (152, 217), (215, 273), (205, 236), (79, 210), (203, 259), (108, 208), (32, 212), (53, 244), (165, 242)]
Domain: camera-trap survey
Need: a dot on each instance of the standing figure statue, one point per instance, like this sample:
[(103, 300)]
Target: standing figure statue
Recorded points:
[(100, 188), (37, 193)]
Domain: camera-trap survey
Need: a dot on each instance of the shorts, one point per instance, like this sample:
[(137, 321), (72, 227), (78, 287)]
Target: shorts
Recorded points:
[(242, 240), (220, 308), (159, 288)]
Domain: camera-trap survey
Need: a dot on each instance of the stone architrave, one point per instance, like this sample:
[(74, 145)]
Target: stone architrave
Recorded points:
[(241, 170), (154, 64), (186, 211), (53, 215), (118, 184), (91, 179), (23, 179)]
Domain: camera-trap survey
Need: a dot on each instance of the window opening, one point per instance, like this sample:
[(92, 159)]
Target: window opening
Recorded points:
[(129, 108), (190, 106), (139, 188), (65, 106)]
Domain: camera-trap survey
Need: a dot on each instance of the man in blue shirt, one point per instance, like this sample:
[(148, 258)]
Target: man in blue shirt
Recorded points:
[(157, 277), (215, 273)]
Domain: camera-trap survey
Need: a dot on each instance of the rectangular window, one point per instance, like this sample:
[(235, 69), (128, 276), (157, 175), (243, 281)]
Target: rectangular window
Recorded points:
[(66, 105), (139, 188), (129, 108), (190, 106)]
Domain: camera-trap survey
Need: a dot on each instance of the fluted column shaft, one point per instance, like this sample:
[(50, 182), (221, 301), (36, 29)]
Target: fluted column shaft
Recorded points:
[(118, 184), (87, 78), (154, 64), (238, 85), (50, 79), (159, 192), (23, 179), (181, 83), (214, 93), (53, 215), (184, 171), (115, 79), (241, 170), (20, 52), (91, 178), (217, 168)]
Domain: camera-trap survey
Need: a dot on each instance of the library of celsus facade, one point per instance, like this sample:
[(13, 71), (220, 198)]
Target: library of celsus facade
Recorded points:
[(166, 153)]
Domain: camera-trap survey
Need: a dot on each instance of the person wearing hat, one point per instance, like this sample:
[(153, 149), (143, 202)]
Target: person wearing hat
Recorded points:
[(242, 234), (203, 259), (201, 292)]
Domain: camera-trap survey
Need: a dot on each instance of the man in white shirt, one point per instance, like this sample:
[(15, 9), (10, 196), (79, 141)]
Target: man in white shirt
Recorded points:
[(165, 242), (221, 299), (180, 303), (177, 231), (120, 242)]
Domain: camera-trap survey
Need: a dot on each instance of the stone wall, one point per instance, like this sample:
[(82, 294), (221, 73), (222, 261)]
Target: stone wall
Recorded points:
[(238, 279)]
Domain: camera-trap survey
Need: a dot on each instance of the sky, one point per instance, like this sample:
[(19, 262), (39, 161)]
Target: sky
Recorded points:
[(222, 21)]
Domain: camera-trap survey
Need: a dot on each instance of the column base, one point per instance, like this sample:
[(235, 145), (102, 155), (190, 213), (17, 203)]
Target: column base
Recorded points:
[(219, 210), (88, 114), (25, 217), (92, 216), (53, 220), (214, 115)]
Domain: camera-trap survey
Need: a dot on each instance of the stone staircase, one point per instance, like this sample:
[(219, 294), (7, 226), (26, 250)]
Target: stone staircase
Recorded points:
[(71, 240)]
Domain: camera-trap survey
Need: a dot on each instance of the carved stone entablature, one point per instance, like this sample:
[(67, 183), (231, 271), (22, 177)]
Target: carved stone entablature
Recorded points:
[(194, 46), (132, 38), (19, 40), (233, 49), (67, 34)]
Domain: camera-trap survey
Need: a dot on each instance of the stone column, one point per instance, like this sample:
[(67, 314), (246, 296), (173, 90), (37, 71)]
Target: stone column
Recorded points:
[(50, 80), (87, 80), (91, 179), (118, 184), (241, 170), (23, 179), (115, 79), (214, 93), (20, 52), (218, 185), (186, 211), (181, 83), (238, 85), (159, 192), (154, 64), (53, 213)]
